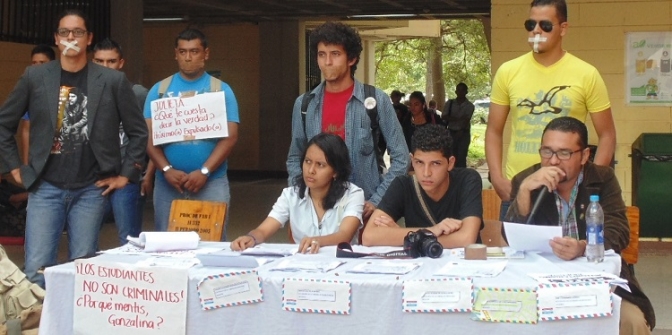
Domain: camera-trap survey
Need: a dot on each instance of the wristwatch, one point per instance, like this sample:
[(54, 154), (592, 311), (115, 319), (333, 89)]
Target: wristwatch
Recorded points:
[(205, 171), (167, 167)]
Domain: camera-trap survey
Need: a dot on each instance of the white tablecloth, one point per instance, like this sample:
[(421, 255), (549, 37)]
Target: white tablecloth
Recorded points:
[(376, 302)]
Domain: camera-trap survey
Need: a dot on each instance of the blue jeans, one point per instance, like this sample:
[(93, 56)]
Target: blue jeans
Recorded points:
[(215, 189), (49, 210), (127, 207)]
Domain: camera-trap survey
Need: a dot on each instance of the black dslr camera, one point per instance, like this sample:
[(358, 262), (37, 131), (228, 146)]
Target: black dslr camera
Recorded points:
[(422, 243)]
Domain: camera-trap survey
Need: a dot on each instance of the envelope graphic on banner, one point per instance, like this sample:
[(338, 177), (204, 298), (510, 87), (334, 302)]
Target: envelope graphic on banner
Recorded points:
[(511, 305), (574, 301)]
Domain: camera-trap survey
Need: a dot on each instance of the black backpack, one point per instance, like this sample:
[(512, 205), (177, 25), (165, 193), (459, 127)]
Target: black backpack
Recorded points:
[(369, 92)]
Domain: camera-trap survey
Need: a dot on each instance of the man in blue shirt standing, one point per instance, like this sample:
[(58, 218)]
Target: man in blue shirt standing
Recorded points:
[(191, 169)]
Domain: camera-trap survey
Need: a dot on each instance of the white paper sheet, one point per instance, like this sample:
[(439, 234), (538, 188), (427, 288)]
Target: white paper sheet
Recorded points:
[(230, 289), (472, 269), (530, 237), (264, 250), (168, 262), (306, 265), (574, 301), (130, 249), (437, 295), (316, 296), (165, 240), (385, 267), (225, 259)]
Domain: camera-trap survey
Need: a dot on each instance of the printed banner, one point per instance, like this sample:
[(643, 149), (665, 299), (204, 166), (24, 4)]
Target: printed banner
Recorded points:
[(505, 305), (120, 298), (230, 289), (648, 69), (189, 118), (443, 295), (316, 296)]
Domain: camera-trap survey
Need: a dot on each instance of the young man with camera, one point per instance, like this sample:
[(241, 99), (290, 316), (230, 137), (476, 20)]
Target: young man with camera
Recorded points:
[(443, 199)]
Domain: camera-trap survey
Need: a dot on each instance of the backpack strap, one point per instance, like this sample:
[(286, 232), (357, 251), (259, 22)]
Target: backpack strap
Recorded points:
[(370, 92), (215, 85), (422, 201), (305, 100), (163, 86)]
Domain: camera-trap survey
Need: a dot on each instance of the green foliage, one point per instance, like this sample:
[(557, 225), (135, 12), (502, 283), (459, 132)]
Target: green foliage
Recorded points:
[(480, 116), (403, 64), (476, 155)]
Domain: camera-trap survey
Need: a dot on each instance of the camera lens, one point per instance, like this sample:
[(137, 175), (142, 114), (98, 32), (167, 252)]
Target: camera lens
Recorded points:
[(432, 248)]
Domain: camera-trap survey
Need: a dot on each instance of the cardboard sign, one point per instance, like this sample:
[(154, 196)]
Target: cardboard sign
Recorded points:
[(197, 117), (120, 298), (204, 217)]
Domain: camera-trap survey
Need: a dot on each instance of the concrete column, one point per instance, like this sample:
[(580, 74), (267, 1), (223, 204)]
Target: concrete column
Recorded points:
[(280, 61), (126, 29)]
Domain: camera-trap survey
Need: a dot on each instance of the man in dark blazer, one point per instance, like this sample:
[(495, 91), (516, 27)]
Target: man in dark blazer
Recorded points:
[(75, 162)]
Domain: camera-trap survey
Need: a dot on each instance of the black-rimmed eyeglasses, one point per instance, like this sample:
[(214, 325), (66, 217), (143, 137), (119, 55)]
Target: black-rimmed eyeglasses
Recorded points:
[(563, 155), (77, 32), (545, 25)]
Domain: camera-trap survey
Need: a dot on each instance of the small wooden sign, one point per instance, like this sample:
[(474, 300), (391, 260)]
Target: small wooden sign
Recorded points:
[(204, 217)]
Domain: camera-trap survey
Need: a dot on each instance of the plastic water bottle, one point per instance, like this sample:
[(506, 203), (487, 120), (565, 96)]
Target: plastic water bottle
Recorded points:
[(595, 233)]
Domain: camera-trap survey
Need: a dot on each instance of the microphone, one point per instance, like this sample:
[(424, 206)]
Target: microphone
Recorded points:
[(537, 202)]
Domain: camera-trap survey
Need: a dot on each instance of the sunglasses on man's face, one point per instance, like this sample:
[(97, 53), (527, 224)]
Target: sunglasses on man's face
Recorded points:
[(545, 25)]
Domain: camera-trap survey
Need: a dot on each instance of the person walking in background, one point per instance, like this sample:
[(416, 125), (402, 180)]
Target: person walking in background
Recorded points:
[(418, 116), (431, 106), (399, 108), (457, 115)]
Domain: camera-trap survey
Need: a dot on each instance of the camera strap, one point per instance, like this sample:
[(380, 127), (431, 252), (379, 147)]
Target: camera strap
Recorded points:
[(344, 250), (422, 201)]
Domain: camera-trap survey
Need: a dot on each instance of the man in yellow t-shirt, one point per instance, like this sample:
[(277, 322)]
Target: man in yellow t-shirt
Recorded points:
[(537, 87)]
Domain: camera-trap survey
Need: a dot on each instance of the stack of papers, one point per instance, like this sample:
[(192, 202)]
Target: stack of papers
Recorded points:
[(472, 269), (385, 267), (306, 265)]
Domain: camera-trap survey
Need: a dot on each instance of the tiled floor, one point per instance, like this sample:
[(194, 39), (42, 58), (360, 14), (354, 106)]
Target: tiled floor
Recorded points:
[(253, 199)]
